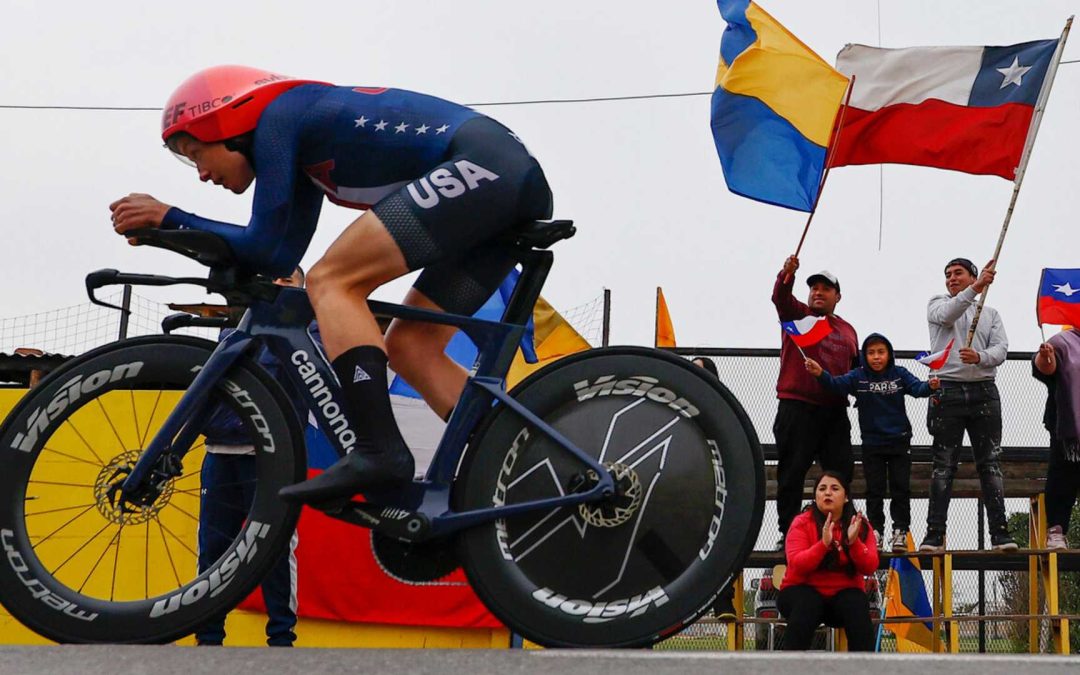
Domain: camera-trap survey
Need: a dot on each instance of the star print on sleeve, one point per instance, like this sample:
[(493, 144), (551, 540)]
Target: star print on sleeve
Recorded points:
[(361, 122), (442, 129), (381, 125), (422, 129), (400, 129)]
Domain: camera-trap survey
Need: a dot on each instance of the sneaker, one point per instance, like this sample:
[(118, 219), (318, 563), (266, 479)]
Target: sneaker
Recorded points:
[(1055, 539), (1001, 541), (898, 541), (933, 542)]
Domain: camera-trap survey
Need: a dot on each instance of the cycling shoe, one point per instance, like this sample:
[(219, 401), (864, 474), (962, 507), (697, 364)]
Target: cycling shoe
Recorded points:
[(354, 473)]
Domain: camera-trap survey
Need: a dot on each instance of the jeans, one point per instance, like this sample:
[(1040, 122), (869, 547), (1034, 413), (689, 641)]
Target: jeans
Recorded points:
[(1062, 487), (805, 609), (888, 469), (805, 432), (974, 407), (228, 486)]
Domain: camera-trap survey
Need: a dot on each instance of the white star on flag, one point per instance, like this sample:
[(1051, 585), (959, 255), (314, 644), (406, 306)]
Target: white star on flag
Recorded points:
[(422, 129), (1014, 73), (442, 128), (381, 125), (1065, 289), (361, 122), (400, 129)]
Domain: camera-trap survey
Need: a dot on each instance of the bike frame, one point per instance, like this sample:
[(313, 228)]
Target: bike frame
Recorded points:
[(281, 324)]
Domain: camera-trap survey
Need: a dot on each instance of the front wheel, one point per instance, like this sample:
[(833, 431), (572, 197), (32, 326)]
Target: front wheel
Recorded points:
[(79, 568), (634, 569)]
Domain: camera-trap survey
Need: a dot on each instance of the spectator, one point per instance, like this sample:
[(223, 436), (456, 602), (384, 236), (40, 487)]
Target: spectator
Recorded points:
[(1057, 364), (811, 422), (968, 400), (228, 487), (830, 550), (879, 386)]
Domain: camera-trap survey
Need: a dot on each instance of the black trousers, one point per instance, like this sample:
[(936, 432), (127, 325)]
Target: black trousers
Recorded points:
[(888, 471), (805, 609), (974, 407), (805, 432), (1062, 486)]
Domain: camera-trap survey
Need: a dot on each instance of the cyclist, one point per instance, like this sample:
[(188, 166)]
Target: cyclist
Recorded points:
[(438, 182)]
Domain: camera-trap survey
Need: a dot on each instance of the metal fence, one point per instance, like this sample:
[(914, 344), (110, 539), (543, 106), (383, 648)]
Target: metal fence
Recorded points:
[(751, 375)]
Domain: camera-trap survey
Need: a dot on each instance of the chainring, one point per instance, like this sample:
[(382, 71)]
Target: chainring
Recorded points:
[(414, 563)]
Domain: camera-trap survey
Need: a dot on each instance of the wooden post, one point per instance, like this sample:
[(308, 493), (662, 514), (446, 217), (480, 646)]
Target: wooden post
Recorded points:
[(951, 627)]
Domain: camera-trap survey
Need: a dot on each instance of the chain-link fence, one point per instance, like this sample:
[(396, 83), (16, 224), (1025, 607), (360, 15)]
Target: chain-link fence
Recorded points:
[(751, 375)]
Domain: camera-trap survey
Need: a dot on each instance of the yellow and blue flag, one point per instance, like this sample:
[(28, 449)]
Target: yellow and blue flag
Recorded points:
[(905, 595), (773, 109)]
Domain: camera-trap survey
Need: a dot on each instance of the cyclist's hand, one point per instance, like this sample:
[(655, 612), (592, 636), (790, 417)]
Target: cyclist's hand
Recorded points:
[(137, 211)]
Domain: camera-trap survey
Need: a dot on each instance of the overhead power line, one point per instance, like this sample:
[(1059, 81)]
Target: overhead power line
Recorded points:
[(594, 99), (541, 101)]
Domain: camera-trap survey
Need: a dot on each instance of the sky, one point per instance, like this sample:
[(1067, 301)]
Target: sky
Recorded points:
[(640, 178)]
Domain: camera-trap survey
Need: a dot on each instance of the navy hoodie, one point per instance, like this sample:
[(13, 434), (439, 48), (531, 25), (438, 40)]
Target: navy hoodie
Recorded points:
[(879, 396), (223, 427)]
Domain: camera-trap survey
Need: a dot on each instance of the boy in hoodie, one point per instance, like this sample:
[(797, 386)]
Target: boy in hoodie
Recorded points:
[(879, 387)]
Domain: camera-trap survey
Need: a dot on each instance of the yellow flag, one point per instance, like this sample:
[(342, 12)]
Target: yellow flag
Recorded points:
[(553, 338), (665, 332)]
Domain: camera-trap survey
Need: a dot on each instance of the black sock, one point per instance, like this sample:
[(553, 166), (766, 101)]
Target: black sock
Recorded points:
[(362, 373)]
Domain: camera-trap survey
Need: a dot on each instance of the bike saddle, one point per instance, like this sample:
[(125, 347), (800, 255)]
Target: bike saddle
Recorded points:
[(542, 233), (208, 249)]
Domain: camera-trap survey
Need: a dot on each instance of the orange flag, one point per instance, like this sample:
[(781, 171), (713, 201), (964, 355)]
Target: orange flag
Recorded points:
[(665, 332)]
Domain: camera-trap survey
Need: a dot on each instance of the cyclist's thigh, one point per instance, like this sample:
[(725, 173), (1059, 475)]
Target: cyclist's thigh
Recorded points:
[(364, 252), (488, 184)]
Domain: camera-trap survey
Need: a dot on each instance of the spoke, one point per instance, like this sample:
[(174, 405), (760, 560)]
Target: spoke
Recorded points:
[(135, 414), (83, 439), (178, 539), (116, 563), (100, 558), (85, 544), (74, 518), (146, 563), (70, 456), (216, 486), (64, 508), (123, 448), (149, 422), (53, 482), (168, 552), (193, 474)]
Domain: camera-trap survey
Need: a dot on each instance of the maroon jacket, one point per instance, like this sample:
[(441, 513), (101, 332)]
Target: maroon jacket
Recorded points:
[(837, 353), (805, 551)]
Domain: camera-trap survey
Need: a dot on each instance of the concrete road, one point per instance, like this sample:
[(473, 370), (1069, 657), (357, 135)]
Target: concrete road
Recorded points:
[(114, 660)]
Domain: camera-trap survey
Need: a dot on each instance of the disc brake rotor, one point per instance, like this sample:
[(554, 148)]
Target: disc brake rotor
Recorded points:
[(619, 508)]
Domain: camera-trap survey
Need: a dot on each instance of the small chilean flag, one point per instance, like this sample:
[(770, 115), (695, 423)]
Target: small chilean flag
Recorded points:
[(1059, 297), (961, 108), (808, 330), (937, 359)]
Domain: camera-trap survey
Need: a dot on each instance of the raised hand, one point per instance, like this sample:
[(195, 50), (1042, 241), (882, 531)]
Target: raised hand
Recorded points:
[(853, 528), (826, 531)]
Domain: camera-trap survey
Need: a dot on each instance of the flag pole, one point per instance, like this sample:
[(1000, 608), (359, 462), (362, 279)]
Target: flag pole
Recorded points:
[(1033, 130), (656, 321), (828, 160)]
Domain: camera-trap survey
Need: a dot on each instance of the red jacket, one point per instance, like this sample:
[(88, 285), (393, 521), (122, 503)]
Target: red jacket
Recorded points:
[(837, 353), (805, 552)]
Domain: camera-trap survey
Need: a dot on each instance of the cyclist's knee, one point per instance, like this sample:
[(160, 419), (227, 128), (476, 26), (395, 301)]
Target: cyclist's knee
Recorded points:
[(325, 280), (409, 343)]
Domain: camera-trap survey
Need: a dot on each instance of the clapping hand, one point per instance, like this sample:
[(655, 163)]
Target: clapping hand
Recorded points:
[(826, 531), (854, 528)]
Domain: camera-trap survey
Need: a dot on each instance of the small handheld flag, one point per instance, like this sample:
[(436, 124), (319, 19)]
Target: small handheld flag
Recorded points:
[(807, 331), (937, 359), (1058, 303)]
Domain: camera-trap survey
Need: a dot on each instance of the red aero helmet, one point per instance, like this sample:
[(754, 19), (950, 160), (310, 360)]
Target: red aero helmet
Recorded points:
[(222, 102)]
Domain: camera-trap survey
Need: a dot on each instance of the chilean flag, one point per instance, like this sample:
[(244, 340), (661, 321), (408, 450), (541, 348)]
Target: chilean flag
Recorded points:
[(808, 330), (960, 108), (1059, 297), (937, 359)]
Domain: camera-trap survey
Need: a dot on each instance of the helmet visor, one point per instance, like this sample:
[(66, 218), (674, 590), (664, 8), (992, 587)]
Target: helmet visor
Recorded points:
[(180, 156)]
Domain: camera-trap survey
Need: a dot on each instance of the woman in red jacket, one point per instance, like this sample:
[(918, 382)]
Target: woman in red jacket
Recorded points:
[(830, 550)]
